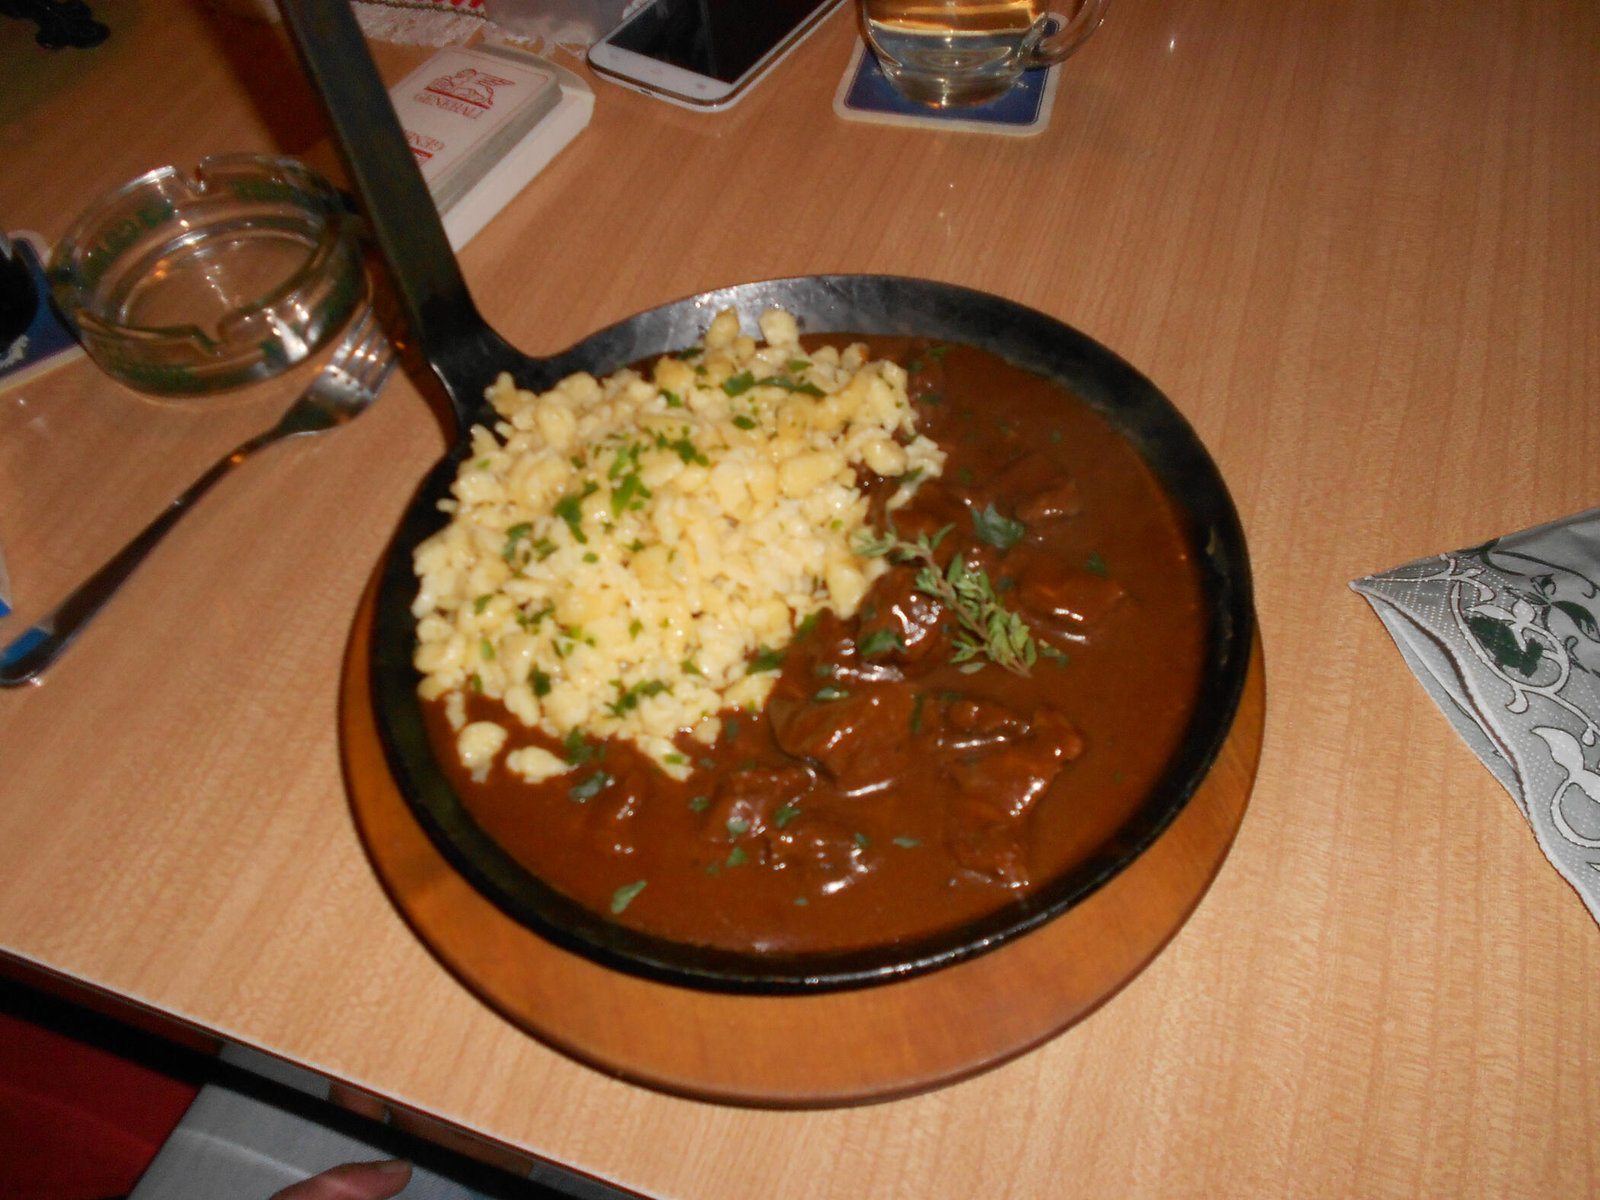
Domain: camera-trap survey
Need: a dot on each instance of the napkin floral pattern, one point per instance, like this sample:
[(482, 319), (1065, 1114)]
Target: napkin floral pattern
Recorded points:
[(1506, 639)]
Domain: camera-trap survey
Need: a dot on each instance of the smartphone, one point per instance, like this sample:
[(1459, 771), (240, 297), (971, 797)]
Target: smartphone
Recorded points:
[(704, 54)]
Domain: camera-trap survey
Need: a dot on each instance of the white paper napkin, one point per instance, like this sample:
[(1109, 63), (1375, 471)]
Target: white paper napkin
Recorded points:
[(1506, 639)]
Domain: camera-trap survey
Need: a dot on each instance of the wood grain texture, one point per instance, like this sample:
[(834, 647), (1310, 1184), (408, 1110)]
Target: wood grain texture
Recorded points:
[(1353, 241)]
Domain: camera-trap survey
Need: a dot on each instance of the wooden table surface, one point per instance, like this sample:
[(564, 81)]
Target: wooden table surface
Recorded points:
[(1356, 243)]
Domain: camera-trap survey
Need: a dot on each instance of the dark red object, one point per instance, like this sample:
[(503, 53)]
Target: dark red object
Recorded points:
[(77, 1122)]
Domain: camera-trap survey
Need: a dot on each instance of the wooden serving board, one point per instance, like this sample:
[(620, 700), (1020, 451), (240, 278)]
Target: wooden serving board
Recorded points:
[(799, 1051)]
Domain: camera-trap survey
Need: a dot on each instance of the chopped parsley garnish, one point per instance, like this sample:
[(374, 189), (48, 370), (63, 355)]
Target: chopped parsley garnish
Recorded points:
[(628, 697), (541, 683), (744, 422), (624, 895), (802, 386), (785, 814), (737, 827), (683, 448), (570, 509), (575, 748), (737, 385), (589, 787), (828, 693), (765, 660), (630, 493), (880, 641), (514, 535), (1000, 532), (1096, 565), (907, 843)]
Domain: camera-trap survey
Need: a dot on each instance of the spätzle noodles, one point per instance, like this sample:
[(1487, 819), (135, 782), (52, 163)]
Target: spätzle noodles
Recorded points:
[(626, 556)]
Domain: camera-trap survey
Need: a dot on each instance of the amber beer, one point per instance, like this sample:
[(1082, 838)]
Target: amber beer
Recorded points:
[(948, 53)]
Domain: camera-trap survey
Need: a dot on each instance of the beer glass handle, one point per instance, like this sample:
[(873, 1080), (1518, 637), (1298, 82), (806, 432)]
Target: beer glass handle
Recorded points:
[(1047, 51)]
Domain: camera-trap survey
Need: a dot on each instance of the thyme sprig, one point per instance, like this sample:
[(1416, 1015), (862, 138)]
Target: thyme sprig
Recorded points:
[(988, 629)]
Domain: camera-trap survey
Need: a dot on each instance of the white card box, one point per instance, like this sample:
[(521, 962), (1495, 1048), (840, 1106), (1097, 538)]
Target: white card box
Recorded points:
[(482, 121)]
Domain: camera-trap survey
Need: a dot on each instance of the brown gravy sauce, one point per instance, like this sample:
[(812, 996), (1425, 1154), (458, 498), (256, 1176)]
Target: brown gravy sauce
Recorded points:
[(888, 795)]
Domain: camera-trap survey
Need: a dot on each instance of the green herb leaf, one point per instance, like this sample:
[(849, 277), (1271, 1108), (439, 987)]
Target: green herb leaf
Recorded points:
[(803, 387), (998, 531), (986, 628), (570, 509), (880, 641), (765, 660), (1096, 565), (624, 895), (737, 385), (514, 535), (575, 748), (628, 697), (631, 491), (590, 787), (685, 449)]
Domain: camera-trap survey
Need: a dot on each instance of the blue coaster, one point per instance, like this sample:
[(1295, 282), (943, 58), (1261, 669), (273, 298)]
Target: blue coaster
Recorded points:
[(865, 94), (49, 342)]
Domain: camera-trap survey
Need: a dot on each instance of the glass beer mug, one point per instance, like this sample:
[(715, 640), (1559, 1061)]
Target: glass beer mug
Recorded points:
[(950, 53)]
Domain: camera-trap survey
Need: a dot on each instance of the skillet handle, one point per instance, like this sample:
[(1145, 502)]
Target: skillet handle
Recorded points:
[(459, 345)]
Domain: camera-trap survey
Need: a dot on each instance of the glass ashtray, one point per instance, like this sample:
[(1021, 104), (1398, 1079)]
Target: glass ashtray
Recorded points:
[(182, 285)]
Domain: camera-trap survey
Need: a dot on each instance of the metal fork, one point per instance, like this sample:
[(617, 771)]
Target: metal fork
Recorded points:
[(342, 391)]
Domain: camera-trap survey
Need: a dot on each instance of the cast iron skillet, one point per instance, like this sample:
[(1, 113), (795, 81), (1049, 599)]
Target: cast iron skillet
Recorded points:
[(466, 355)]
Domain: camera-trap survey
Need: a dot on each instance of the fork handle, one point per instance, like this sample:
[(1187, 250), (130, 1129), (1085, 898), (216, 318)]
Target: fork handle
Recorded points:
[(40, 645)]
